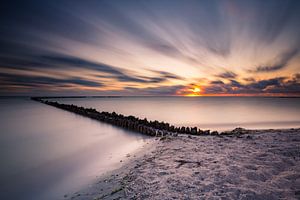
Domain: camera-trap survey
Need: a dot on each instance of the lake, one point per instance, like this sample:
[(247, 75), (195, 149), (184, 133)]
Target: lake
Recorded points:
[(47, 152), (216, 113)]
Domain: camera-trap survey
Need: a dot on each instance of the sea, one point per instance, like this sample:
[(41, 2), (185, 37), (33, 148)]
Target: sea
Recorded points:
[(47, 153)]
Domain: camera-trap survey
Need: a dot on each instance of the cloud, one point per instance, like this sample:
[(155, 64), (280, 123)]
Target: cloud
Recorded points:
[(227, 75), (61, 61), (263, 84), (249, 79), (56, 61), (69, 61), (235, 83), (155, 91), (159, 77), (216, 82), (167, 75), (281, 62), (36, 81), (125, 78), (288, 85), (111, 71)]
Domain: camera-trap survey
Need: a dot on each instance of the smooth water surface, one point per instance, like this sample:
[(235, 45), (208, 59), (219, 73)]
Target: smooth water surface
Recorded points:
[(46, 152), (216, 113)]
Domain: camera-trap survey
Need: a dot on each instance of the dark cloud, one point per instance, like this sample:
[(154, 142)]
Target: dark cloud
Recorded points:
[(161, 76), (155, 91), (296, 77), (276, 85), (235, 83), (167, 75), (227, 75), (60, 61), (139, 79), (70, 62), (56, 61), (216, 82), (249, 79), (263, 84), (281, 62), (36, 81)]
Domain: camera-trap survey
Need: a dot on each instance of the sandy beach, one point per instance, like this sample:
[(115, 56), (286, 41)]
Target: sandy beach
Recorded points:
[(264, 164)]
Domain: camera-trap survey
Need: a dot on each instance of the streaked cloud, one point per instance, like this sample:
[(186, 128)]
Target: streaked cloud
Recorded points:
[(37, 81), (227, 75), (280, 62), (114, 47), (278, 85)]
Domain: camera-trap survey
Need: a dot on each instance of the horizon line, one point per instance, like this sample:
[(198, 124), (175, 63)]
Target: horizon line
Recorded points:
[(118, 96)]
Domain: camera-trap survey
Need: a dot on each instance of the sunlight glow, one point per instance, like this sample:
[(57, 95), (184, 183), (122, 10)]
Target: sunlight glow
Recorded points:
[(196, 90)]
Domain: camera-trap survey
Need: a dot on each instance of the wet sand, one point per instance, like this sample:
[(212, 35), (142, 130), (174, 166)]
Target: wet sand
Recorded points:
[(261, 164)]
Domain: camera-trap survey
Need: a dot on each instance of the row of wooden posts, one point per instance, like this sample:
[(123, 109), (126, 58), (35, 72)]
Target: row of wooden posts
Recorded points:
[(151, 128)]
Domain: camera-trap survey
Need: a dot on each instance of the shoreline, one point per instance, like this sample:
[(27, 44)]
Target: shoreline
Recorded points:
[(262, 164), (110, 184), (190, 163)]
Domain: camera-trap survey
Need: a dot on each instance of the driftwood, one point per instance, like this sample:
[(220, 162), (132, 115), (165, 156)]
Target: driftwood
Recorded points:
[(182, 162)]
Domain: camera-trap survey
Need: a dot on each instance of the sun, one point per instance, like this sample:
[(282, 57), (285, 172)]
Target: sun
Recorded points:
[(196, 90), (190, 91)]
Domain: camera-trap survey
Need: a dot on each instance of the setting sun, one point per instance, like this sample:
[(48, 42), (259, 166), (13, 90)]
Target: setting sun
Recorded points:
[(196, 90)]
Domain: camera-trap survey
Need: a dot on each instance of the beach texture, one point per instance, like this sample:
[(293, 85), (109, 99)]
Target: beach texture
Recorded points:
[(261, 165)]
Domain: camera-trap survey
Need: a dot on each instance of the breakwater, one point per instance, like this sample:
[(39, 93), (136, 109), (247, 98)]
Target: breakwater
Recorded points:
[(144, 126)]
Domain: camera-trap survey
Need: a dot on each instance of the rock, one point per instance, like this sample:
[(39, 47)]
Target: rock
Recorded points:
[(182, 130), (163, 138), (214, 133), (194, 130), (187, 130), (239, 130), (249, 137)]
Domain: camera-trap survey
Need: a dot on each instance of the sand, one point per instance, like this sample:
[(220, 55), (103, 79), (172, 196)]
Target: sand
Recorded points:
[(261, 165)]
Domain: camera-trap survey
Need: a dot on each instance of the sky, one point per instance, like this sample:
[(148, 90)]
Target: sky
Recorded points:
[(151, 47)]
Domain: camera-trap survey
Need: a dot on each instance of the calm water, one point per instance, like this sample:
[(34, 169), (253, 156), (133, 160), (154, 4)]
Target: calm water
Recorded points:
[(46, 152), (217, 113)]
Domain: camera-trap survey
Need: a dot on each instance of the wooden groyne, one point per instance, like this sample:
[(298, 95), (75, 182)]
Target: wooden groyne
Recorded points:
[(150, 128)]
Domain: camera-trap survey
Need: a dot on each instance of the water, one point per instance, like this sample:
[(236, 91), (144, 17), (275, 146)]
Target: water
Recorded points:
[(216, 113), (46, 152)]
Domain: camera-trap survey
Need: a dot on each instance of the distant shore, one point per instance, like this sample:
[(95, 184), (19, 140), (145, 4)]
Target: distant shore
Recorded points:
[(262, 164)]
